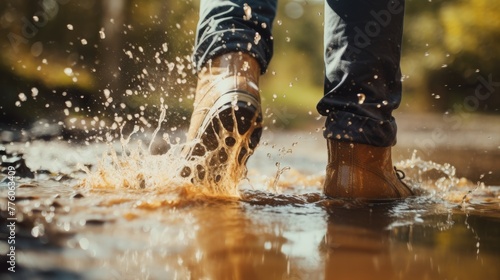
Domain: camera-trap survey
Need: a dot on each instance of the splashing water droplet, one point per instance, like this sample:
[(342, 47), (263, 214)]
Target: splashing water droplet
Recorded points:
[(84, 243), (248, 12), (361, 98), (34, 92), (22, 97), (69, 26), (257, 38), (68, 71), (102, 35), (107, 93), (246, 66)]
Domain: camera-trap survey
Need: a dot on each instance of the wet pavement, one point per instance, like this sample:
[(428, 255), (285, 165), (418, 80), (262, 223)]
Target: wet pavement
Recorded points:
[(279, 227)]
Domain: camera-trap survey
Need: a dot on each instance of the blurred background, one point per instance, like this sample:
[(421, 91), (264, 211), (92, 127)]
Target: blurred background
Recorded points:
[(79, 66)]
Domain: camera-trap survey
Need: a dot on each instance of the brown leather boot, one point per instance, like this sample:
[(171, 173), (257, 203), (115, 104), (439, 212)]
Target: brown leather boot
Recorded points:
[(226, 123), (363, 172)]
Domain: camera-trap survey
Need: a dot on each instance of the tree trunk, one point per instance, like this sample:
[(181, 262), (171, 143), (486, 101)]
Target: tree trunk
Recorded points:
[(113, 18)]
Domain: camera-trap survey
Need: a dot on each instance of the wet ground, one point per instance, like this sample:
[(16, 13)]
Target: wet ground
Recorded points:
[(280, 227)]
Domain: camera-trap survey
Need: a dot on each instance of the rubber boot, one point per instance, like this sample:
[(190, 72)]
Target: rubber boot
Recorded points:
[(226, 123), (359, 171)]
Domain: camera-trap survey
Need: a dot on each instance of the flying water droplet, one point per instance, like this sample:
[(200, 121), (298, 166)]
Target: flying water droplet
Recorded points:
[(22, 97), (107, 93), (68, 71), (361, 98), (248, 12), (257, 38), (34, 92), (102, 35)]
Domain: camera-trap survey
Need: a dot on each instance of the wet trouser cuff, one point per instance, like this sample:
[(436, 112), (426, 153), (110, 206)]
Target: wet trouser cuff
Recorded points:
[(235, 26), (349, 127)]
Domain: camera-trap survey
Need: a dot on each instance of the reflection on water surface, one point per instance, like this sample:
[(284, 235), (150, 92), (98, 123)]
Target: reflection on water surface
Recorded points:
[(275, 229)]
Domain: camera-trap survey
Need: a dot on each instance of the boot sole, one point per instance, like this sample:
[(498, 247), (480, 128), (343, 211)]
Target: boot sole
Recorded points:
[(235, 115)]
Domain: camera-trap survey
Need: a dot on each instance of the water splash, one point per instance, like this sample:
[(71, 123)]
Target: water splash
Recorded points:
[(440, 181), (279, 172), (216, 172)]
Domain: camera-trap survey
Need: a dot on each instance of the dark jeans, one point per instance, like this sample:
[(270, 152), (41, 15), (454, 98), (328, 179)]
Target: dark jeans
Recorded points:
[(362, 53)]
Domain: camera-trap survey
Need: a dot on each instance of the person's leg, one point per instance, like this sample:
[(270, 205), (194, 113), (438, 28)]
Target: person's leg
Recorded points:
[(362, 88), (233, 47), (230, 26)]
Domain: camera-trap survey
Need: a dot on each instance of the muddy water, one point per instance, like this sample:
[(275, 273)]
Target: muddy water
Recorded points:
[(278, 227)]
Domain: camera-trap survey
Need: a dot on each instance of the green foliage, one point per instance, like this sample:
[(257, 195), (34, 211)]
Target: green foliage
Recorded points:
[(450, 46)]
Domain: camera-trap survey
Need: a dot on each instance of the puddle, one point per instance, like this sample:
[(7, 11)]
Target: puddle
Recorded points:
[(279, 226)]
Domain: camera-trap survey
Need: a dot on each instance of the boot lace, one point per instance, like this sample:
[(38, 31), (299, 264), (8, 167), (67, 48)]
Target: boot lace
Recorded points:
[(399, 173)]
